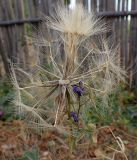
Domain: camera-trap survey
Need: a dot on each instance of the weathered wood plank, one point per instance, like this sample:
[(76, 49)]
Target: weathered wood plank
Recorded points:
[(94, 5)]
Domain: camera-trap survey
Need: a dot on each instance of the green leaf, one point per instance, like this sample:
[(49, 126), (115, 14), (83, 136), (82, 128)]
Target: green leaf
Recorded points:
[(30, 155)]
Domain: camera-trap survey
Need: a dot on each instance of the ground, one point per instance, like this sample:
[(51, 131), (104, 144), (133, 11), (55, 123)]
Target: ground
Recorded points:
[(14, 142)]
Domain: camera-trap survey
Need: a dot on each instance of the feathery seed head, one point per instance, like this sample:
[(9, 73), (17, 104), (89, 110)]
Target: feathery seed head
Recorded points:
[(52, 90), (77, 21)]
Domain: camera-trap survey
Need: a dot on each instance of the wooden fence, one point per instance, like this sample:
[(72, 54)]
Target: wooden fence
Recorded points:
[(17, 15)]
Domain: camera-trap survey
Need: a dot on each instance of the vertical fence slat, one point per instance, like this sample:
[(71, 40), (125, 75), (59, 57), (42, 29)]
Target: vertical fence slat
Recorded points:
[(117, 30), (126, 37), (94, 5), (44, 7), (134, 29), (133, 35), (122, 30), (111, 21)]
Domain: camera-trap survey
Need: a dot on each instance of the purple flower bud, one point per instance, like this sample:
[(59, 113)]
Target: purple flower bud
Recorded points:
[(78, 90), (74, 116)]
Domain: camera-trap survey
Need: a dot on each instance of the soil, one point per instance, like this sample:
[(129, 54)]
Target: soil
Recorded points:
[(107, 142)]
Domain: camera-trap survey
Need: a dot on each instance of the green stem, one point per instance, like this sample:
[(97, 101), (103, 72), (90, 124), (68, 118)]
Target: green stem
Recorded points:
[(79, 106), (68, 105)]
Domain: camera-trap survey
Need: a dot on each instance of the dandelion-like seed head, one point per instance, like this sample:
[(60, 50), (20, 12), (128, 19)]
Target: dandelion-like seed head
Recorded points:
[(51, 92), (77, 21)]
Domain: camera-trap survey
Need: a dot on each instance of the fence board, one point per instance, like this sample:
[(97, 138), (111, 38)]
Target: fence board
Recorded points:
[(16, 17), (133, 48), (94, 5)]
